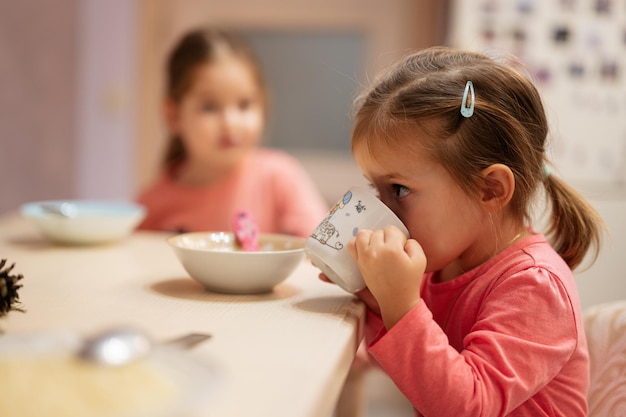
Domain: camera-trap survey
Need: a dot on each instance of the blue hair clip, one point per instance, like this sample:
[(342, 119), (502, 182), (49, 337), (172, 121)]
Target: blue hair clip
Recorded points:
[(546, 170), (468, 111)]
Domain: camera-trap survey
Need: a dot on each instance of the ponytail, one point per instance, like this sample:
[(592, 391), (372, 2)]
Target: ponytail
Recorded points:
[(574, 226)]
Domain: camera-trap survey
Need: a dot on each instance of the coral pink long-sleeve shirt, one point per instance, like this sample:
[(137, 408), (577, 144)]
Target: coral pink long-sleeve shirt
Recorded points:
[(272, 186), (504, 339)]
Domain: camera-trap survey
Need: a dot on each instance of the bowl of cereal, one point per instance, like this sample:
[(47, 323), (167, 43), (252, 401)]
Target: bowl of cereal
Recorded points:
[(219, 263)]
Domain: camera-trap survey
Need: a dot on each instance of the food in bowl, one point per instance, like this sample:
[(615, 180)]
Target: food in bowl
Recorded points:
[(44, 376), (64, 386), (218, 262), (84, 222)]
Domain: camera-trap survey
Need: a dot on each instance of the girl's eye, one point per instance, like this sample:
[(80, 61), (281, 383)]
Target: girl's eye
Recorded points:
[(209, 107), (400, 191), (245, 104)]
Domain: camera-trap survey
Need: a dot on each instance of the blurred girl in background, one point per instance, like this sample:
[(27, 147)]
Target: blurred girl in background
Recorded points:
[(216, 108)]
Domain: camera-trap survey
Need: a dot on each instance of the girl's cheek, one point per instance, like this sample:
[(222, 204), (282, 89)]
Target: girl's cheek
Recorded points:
[(396, 208)]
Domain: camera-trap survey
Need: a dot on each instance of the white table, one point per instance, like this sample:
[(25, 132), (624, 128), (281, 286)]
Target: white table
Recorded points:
[(286, 353)]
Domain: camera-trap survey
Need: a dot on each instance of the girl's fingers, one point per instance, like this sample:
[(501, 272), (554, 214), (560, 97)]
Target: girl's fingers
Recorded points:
[(377, 238), (412, 248), (360, 242), (371, 239), (352, 250), (390, 236), (393, 235), (323, 277)]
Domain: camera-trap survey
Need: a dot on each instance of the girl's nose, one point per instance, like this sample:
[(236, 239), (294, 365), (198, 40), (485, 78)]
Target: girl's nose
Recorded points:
[(230, 118), (230, 126)]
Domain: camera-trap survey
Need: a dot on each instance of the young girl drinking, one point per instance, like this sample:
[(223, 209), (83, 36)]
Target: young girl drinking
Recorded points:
[(476, 314), (215, 110)]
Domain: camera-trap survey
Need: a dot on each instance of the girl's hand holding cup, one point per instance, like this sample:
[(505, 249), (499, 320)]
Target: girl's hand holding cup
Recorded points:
[(392, 267)]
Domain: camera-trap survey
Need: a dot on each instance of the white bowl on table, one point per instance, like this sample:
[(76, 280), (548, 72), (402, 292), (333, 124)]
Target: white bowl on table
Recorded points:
[(216, 260), (84, 222)]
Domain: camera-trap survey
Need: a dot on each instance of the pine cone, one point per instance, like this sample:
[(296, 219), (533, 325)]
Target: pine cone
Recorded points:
[(9, 299)]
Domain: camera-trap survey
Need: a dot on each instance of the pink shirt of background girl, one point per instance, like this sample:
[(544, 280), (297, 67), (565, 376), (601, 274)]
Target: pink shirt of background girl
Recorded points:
[(272, 186)]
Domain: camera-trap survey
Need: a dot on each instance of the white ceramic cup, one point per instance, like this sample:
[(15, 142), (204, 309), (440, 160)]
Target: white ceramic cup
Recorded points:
[(327, 247)]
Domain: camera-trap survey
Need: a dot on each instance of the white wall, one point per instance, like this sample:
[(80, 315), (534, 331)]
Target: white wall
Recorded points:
[(37, 101), (107, 73), (606, 280), (67, 122)]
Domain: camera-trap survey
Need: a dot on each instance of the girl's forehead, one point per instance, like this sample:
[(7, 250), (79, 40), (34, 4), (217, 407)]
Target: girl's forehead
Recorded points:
[(225, 74), (391, 159), (393, 143), (227, 65)]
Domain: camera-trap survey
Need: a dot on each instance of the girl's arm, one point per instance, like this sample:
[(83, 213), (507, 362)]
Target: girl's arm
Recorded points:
[(524, 334)]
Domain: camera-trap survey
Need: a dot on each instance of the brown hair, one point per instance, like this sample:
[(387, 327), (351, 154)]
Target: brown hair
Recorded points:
[(198, 47), (508, 126)]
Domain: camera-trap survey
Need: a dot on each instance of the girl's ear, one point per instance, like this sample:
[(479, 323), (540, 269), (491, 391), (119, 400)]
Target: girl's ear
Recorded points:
[(498, 187), (170, 111)]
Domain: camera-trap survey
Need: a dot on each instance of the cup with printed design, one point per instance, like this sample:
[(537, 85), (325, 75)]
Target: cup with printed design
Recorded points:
[(327, 246)]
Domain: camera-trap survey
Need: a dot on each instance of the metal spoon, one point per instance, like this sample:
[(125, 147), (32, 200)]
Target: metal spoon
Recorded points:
[(121, 346)]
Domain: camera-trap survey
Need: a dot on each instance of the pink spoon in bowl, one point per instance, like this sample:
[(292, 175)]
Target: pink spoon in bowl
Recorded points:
[(246, 231)]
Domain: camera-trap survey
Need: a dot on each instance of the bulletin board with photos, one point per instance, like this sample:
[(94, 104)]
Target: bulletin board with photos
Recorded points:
[(576, 52)]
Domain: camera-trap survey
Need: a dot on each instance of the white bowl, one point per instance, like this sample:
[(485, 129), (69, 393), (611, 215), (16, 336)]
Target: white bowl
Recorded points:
[(84, 222), (216, 260)]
